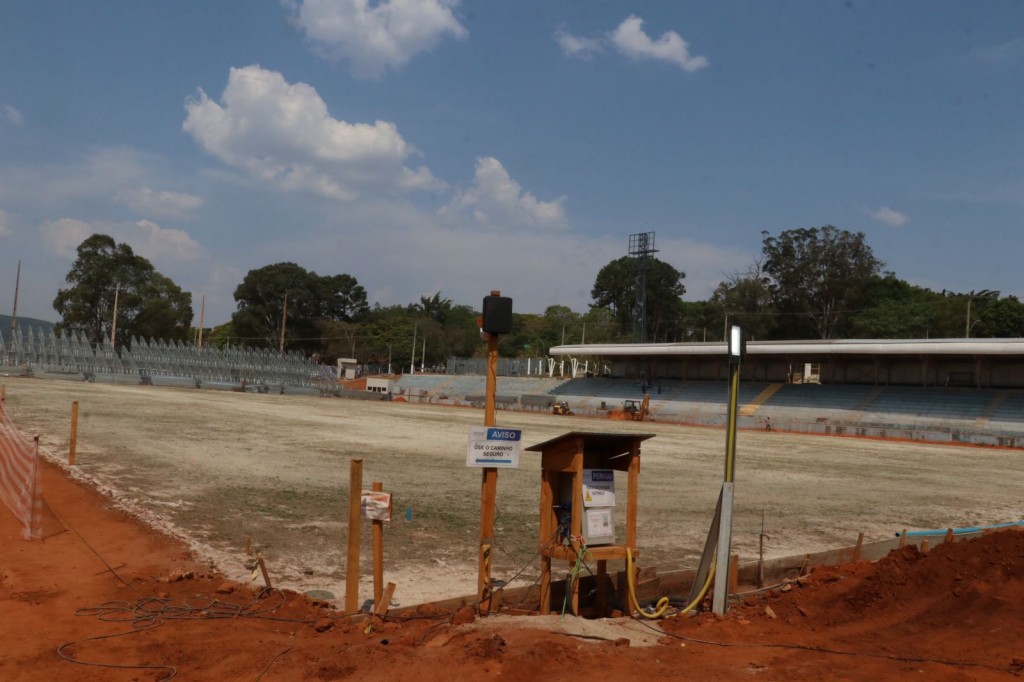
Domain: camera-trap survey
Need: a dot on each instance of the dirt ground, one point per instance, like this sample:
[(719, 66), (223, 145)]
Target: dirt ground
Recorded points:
[(212, 469)]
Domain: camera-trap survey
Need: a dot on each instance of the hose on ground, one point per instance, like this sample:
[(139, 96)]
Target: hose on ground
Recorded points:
[(663, 604)]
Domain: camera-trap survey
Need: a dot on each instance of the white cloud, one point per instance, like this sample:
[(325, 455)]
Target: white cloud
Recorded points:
[(577, 46), (151, 201), (629, 38), (376, 37), (11, 115), (496, 200), (146, 238), (63, 236), (161, 244), (282, 133), (1001, 53), (5, 224), (890, 216)]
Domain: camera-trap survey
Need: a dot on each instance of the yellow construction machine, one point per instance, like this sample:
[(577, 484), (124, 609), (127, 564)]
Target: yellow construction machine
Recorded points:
[(561, 408), (638, 409)]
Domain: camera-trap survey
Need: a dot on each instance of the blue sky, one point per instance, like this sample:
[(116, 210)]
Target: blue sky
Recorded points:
[(460, 147)]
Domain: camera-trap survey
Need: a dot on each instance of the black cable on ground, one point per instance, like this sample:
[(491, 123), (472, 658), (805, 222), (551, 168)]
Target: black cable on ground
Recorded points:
[(151, 612)]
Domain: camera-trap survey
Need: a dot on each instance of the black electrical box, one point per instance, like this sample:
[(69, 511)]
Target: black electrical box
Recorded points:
[(497, 314)]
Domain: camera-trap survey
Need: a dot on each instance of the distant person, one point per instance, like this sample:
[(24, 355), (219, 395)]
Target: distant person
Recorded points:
[(767, 423)]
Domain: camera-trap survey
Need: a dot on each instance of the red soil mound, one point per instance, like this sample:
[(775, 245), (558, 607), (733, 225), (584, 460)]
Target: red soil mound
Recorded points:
[(109, 599)]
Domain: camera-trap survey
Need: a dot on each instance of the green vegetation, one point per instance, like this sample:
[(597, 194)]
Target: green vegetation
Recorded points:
[(807, 283)]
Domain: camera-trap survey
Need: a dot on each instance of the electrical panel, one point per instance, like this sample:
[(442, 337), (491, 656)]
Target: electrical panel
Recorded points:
[(598, 505)]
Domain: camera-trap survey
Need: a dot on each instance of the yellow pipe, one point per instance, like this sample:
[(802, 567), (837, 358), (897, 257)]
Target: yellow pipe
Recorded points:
[(663, 603)]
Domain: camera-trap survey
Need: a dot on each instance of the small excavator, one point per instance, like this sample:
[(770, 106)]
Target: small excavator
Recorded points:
[(638, 409), (561, 407)]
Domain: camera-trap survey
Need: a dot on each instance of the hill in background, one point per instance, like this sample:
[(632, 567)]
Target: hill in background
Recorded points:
[(23, 324)]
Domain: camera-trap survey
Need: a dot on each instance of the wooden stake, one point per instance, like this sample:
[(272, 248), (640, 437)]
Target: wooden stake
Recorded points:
[(734, 574), (248, 545), (903, 537), (858, 547), (263, 570), (74, 434), (949, 535), (378, 552), (355, 497), (380, 609), (924, 546)]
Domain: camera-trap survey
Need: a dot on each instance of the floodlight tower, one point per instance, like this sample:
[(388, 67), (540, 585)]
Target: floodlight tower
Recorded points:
[(641, 246)]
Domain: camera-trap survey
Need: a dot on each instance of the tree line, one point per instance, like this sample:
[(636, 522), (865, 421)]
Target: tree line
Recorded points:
[(807, 283)]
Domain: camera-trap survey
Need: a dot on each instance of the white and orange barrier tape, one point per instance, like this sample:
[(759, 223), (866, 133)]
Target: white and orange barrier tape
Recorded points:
[(19, 476)]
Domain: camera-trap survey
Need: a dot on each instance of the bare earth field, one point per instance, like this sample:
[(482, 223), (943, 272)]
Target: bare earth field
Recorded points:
[(215, 468), (105, 597)]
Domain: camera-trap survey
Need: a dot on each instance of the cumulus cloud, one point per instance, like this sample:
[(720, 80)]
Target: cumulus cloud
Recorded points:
[(282, 133), (63, 236), (373, 38), (890, 216), (496, 200), (11, 115), (151, 201), (162, 244), (577, 46), (5, 224), (631, 40), (146, 238)]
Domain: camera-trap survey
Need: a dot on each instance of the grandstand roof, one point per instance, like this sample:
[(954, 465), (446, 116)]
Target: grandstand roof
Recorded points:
[(917, 347)]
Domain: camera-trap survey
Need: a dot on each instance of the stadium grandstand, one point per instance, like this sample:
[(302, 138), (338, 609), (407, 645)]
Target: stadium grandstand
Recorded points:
[(941, 390), (162, 363)]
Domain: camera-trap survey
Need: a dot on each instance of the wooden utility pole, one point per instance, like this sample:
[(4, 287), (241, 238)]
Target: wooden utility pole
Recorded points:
[(113, 323), (489, 479), (14, 312), (284, 321), (412, 365), (202, 316)]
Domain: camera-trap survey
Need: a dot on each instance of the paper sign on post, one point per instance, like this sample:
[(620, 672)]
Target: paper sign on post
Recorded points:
[(376, 506), (490, 446)]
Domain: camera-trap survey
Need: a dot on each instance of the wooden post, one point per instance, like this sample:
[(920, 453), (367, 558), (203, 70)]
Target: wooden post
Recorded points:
[(489, 481), (734, 574), (858, 547), (355, 498), (263, 570), (378, 552), (383, 603), (924, 546), (949, 535), (903, 537), (74, 434)]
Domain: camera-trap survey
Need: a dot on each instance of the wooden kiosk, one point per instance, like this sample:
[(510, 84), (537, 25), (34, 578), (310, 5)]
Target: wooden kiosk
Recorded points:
[(563, 461)]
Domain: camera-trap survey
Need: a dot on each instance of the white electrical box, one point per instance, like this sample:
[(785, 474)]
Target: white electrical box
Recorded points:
[(599, 526), (598, 505)]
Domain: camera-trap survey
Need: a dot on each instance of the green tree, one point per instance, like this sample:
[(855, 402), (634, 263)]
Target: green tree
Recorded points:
[(818, 275), (149, 304), (1001, 319), (894, 309), (747, 300), (311, 301), (615, 289)]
